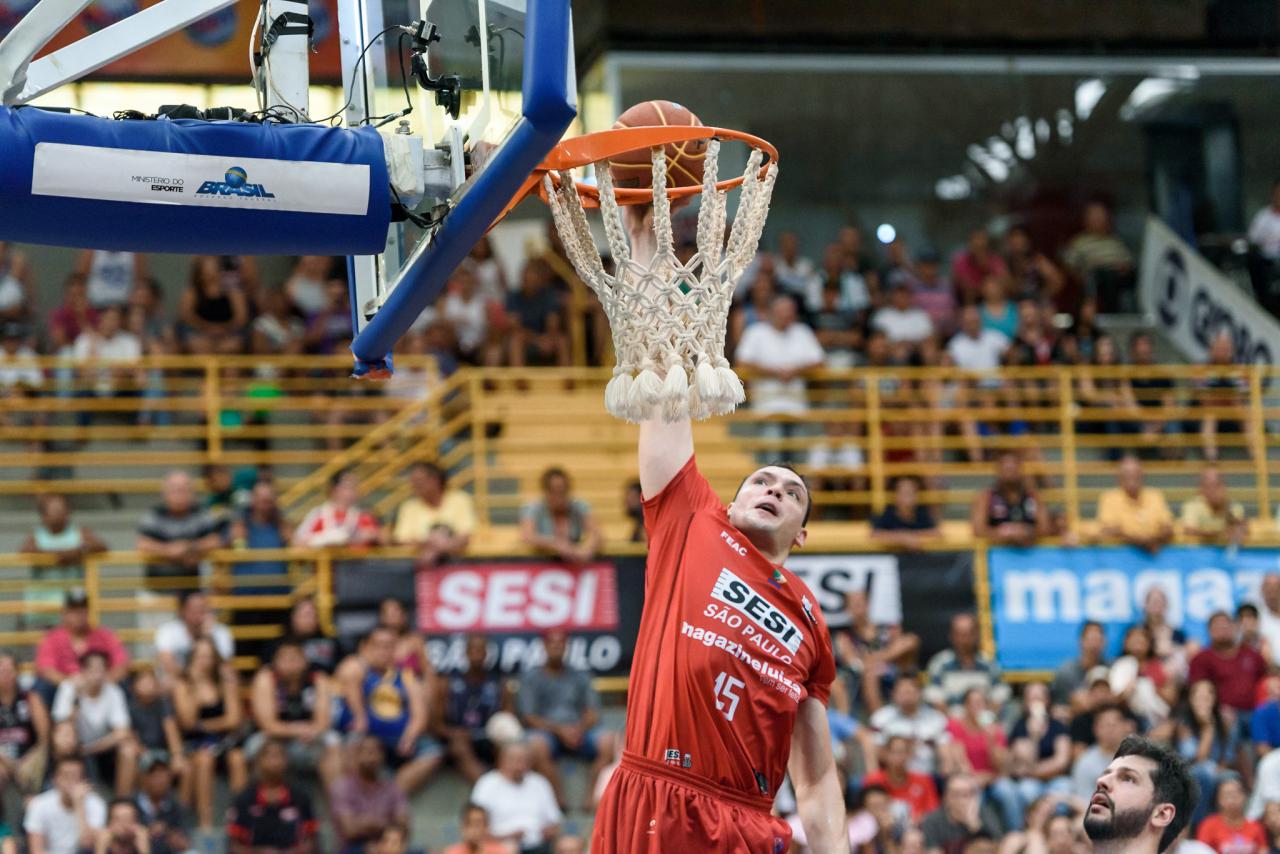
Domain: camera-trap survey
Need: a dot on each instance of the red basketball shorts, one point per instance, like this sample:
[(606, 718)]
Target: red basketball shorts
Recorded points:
[(650, 808)]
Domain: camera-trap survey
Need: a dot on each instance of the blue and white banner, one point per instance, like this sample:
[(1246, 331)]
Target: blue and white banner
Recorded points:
[(1040, 596)]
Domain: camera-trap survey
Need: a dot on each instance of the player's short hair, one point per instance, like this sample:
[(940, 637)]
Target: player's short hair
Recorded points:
[(1172, 781), (808, 492)]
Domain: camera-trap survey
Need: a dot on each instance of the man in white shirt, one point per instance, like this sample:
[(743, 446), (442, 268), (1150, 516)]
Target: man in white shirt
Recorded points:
[(1264, 229), (98, 710), (779, 349), (175, 637), (64, 819), (974, 348), (521, 805), (1269, 614), (907, 717), (112, 347), (901, 320)]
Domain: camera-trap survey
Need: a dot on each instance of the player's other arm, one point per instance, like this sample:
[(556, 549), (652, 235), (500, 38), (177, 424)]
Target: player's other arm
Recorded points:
[(817, 781)]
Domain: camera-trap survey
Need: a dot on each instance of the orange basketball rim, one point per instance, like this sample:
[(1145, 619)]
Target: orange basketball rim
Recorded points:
[(601, 146)]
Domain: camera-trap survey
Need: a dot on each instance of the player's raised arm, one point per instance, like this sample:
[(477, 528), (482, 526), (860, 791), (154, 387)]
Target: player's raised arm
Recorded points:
[(664, 446)]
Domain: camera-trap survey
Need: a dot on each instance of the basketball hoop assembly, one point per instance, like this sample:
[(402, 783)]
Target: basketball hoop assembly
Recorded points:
[(667, 317)]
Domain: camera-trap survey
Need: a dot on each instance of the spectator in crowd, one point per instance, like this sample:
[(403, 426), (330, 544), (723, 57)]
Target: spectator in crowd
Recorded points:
[(521, 804), (123, 833), (914, 790), (272, 816), (145, 318), (778, 351), (213, 315), (855, 261), (437, 519), (1034, 276), (1110, 726), (1009, 512), (907, 717), (972, 265), (955, 670), (961, 818), (906, 523), (1097, 695), (873, 654), (393, 840), (64, 819), (318, 646), (998, 311), (467, 311), (113, 352), (794, 272), (974, 348), (410, 646), (386, 701), (260, 525), (98, 710), (154, 723), (1250, 635), (364, 801), (1069, 681), (1210, 516), (1233, 669), (633, 507), (159, 808), (855, 292), (175, 638), (24, 731), (1141, 680), (177, 534), (1205, 738), (558, 523), (61, 648), (837, 329), (934, 293), (1227, 831), (560, 707), (63, 541), (20, 376), (339, 521), (1110, 393), (1224, 386), (275, 330), (1171, 646), (979, 747), (1096, 255), (467, 701), (538, 329), (110, 277), (16, 282), (902, 320), (208, 706), (329, 329), (1153, 394), (474, 830), (305, 286), (1264, 228), (1134, 513), (73, 316), (1039, 747), (292, 704)]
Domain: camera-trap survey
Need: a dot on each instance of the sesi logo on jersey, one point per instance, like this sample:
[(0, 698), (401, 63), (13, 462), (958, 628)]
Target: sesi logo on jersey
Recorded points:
[(733, 591)]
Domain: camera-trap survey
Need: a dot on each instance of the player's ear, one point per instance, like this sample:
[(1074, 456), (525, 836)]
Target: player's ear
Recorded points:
[(1162, 815), (801, 536)]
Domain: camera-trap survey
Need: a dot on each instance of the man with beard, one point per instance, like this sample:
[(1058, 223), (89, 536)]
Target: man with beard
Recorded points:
[(1142, 802)]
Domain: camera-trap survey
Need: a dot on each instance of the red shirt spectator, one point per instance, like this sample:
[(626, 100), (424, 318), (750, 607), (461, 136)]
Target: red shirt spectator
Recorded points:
[(977, 743), (338, 522), (917, 791), (59, 652), (1233, 669), (74, 316), (975, 264), (1227, 831)]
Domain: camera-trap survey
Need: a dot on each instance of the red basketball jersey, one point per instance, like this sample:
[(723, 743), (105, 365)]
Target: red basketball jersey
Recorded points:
[(729, 645)]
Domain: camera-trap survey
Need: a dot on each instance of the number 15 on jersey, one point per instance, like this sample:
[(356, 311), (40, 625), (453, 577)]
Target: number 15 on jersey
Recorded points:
[(727, 694)]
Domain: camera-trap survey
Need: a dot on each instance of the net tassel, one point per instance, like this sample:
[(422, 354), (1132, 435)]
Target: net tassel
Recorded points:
[(675, 392), (646, 392), (617, 395), (731, 391), (706, 383)]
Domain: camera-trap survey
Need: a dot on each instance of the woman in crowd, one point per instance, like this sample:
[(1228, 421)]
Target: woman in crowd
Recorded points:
[(213, 316), (1227, 831), (321, 649), (979, 747), (1040, 747), (207, 703), (1205, 740)]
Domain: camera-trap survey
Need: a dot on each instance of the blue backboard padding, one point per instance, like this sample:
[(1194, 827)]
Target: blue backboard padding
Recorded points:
[(140, 227), (548, 108)]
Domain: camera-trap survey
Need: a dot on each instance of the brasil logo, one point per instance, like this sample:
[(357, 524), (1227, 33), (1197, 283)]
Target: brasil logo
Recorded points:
[(234, 183)]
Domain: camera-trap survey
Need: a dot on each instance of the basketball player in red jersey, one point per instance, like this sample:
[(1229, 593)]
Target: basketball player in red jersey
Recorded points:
[(732, 668)]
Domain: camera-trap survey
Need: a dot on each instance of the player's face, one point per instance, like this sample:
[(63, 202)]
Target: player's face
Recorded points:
[(772, 501), (1123, 806)]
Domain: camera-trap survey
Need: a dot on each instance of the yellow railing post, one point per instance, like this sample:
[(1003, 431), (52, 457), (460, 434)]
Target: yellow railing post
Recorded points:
[(324, 590), (479, 448), (1067, 430), (982, 597), (213, 408), (1258, 423), (875, 441)]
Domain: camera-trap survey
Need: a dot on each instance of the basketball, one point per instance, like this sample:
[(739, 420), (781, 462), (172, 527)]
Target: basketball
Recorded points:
[(634, 169)]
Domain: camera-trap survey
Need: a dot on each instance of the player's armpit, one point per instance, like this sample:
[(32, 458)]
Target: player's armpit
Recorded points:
[(816, 781)]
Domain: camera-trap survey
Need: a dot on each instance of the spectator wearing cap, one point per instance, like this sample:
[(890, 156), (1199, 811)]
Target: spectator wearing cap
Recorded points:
[(159, 810), (1134, 513), (962, 666), (175, 638), (65, 819), (474, 832), (366, 800), (63, 542), (271, 816), (902, 320), (961, 818), (59, 652), (100, 713), (24, 731), (436, 519), (339, 521), (1068, 683), (177, 534)]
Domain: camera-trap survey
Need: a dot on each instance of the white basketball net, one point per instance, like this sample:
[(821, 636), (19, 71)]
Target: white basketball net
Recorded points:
[(668, 318)]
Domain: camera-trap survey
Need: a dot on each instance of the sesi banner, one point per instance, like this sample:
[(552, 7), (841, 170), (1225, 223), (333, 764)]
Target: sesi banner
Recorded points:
[(1040, 596), (506, 597)]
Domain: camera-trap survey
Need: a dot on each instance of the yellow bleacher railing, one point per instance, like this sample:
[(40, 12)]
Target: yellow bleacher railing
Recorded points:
[(99, 429)]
